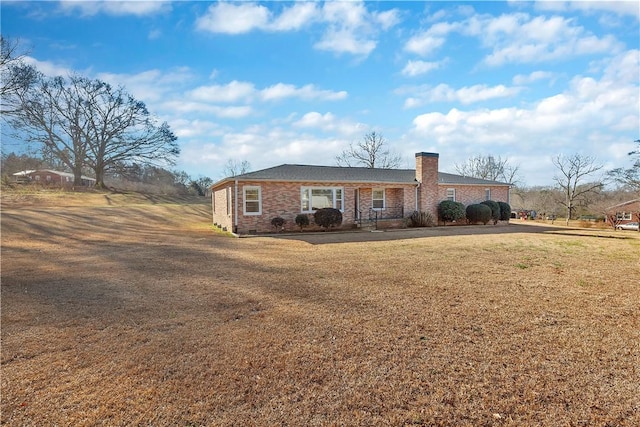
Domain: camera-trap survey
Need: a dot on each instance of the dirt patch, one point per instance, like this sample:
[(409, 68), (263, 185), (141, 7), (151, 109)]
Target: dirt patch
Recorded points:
[(137, 313)]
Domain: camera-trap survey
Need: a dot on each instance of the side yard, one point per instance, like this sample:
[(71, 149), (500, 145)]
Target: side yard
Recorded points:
[(137, 313)]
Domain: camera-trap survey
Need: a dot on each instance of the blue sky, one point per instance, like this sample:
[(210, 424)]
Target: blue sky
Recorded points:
[(285, 82)]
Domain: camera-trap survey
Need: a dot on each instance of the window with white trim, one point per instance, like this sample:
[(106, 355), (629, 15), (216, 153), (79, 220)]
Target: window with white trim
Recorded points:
[(252, 197), (451, 194), (377, 198), (624, 216), (487, 194), (314, 198)]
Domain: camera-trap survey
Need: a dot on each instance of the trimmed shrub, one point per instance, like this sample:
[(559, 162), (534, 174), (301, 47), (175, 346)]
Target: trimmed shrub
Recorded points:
[(450, 211), (495, 210), (328, 217), (278, 222), (302, 221), (505, 211), (479, 212), (421, 219)]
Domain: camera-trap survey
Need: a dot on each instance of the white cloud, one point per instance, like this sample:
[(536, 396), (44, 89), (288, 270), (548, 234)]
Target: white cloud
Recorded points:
[(118, 8), (466, 95), (424, 44), (233, 18), (295, 17), (630, 8), (328, 122), (522, 79), (178, 107), (234, 91), (307, 92), (522, 39), (517, 38), (589, 115), (350, 27), (417, 68), (48, 68)]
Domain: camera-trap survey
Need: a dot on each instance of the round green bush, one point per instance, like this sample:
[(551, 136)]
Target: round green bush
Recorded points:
[(479, 212), (328, 217), (278, 222), (505, 211), (302, 220), (495, 210), (450, 211)]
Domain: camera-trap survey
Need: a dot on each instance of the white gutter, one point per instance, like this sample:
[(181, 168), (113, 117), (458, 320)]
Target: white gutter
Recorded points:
[(235, 208)]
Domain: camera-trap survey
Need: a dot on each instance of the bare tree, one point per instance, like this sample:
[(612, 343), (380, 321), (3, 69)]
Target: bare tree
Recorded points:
[(235, 168), (630, 177), (51, 116), (489, 167), (370, 153), (573, 170), (121, 129), (15, 75), (87, 123)]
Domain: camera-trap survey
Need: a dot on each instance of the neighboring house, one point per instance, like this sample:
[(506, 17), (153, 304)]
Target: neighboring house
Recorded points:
[(51, 177), (246, 204), (624, 212)]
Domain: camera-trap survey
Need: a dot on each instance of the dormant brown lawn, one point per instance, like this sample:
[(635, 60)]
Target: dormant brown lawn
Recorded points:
[(129, 310)]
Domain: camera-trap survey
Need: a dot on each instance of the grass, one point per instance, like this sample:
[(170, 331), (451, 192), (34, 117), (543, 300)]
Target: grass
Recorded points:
[(136, 313)]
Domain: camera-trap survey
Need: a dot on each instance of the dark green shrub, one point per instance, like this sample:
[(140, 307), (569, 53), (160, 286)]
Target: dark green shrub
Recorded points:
[(505, 211), (328, 217), (478, 213), (421, 219), (450, 211), (278, 223), (495, 210), (302, 221)]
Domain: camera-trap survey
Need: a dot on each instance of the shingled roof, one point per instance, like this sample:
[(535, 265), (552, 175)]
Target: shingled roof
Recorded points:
[(307, 173)]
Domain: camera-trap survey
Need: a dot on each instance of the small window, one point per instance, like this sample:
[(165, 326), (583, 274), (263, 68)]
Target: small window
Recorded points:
[(624, 216), (451, 194), (252, 201), (228, 200), (487, 194), (378, 198)]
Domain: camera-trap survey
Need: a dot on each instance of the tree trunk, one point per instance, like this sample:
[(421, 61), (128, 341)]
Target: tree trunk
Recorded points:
[(99, 170)]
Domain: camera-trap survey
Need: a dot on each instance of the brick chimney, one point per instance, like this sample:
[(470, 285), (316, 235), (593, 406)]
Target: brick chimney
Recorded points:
[(427, 176)]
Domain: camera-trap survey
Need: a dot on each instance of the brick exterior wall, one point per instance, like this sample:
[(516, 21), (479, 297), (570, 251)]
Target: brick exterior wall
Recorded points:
[(470, 194), (427, 175), (283, 199)]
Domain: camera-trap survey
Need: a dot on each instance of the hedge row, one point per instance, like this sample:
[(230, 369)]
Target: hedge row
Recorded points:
[(489, 210)]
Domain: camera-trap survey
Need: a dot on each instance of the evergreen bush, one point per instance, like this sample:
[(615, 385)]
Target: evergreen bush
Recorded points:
[(328, 217), (479, 212), (505, 211), (302, 221), (278, 223), (450, 211), (495, 210)]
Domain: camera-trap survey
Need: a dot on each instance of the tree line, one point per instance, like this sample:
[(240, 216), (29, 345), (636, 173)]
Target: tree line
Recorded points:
[(83, 123)]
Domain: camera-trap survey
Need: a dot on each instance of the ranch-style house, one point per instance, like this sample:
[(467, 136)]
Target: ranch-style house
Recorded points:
[(247, 203)]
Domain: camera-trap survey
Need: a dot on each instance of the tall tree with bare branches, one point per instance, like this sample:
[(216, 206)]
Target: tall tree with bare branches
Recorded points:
[(630, 177), (370, 152), (572, 172), (489, 167), (15, 75)]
